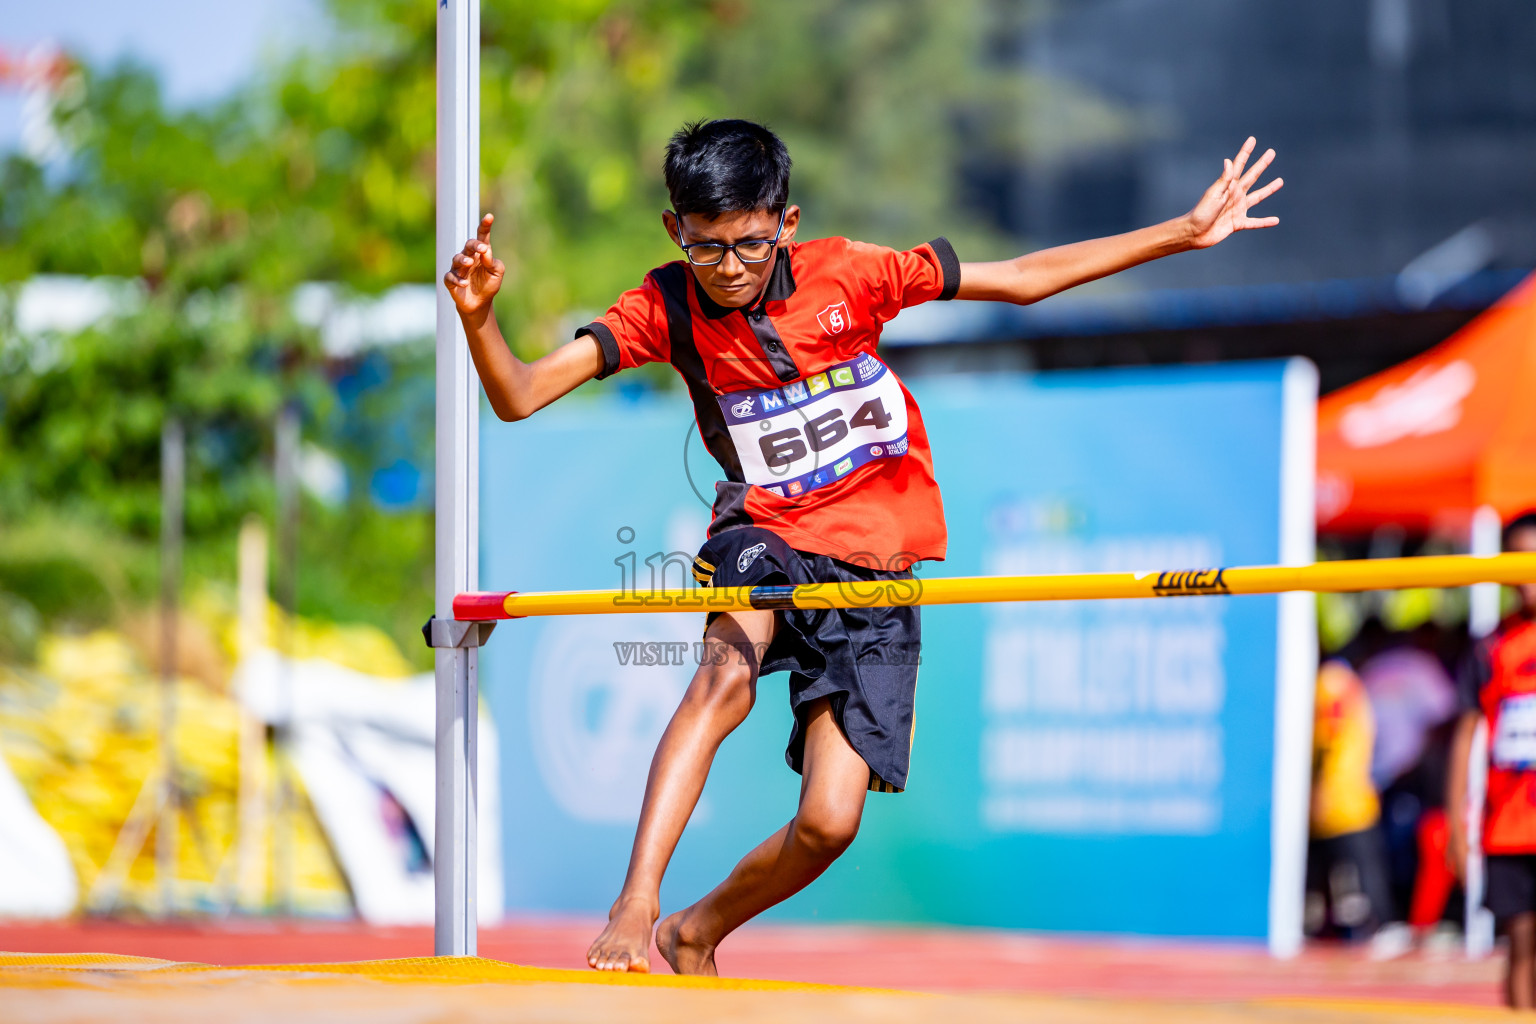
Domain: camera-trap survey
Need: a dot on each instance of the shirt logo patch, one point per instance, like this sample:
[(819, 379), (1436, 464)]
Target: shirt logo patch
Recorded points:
[(743, 408), (749, 556), (842, 377), (834, 319), (796, 392), (818, 383)]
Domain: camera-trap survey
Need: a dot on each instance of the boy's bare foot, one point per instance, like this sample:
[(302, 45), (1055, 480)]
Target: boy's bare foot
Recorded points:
[(625, 945), (682, 956)]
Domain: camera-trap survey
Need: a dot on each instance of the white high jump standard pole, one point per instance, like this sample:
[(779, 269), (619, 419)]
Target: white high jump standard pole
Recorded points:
[(458, 485)]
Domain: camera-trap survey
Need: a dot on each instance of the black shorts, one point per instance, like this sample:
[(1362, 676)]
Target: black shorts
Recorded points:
[(1510, 884), (863, 660)]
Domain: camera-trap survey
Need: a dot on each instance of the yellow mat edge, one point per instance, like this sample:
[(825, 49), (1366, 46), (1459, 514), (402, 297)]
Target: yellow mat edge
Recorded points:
[(80, 961), (422, 969), (16, 966)]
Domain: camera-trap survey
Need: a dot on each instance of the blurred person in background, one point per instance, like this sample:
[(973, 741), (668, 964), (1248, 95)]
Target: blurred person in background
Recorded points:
[(1497, 682), (1347, 886), (1411, 693), (1413, 700)]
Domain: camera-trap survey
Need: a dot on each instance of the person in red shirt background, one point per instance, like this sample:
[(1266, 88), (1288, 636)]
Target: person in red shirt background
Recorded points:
[(1498, 683), (828, 478)]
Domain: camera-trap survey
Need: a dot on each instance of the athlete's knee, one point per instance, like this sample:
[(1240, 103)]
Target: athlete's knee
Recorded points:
[(825, 833), (723, 688)]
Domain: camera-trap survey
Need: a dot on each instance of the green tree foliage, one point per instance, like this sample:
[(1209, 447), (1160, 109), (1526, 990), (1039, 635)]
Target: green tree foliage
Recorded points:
[(189, 205)]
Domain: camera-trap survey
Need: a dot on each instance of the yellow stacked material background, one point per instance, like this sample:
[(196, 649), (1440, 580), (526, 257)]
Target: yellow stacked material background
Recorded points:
[(80, 730)]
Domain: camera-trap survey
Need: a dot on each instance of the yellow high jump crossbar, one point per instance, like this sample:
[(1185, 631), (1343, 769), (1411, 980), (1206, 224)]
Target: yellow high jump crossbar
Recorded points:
[(1319, 577)]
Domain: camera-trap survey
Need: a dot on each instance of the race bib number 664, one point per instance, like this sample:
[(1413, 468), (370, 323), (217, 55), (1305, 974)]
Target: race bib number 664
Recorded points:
[(813, 432)]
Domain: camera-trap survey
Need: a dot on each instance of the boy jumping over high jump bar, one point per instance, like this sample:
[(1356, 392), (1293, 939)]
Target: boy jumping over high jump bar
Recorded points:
[(828, 477)]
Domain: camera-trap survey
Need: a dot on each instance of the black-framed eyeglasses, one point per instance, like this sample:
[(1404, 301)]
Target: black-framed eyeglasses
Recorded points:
[(709, 254)]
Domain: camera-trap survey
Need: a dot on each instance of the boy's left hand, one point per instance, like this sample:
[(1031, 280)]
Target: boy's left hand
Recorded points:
[(1224, 207)]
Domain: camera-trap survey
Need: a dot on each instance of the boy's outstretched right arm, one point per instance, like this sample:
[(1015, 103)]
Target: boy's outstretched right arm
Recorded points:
[(1220, 212), (516, 389)]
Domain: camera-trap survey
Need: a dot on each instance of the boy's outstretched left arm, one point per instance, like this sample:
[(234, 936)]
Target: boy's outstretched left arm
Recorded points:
[(1222, 210)]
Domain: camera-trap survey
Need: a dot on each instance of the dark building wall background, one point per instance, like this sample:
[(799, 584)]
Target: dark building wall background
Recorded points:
[(1398, 124)]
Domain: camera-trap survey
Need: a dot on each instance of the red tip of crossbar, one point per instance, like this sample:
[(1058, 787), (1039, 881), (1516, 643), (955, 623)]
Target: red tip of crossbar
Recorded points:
[(481, 605)]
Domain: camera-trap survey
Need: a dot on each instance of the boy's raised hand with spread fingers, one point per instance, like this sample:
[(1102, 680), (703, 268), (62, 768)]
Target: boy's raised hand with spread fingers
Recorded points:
[(476, 274)]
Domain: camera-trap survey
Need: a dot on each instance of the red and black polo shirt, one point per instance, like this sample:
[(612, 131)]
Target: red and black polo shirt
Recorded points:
[(818, 439)]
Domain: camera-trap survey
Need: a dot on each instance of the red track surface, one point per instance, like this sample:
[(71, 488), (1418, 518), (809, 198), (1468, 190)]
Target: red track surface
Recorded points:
[(935, 959)]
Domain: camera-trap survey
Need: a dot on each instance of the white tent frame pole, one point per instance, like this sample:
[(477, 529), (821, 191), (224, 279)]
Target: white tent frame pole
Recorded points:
[(1482, 618), (458, 484)]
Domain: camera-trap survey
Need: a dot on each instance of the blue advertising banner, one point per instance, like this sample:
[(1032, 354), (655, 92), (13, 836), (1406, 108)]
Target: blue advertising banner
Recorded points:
[(1083, 766)]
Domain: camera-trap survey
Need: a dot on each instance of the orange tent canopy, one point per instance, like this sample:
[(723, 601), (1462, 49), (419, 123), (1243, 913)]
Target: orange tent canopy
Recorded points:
[(1425, 443)]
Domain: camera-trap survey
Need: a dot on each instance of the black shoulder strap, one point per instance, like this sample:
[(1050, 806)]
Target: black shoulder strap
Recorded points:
[(673, 282)]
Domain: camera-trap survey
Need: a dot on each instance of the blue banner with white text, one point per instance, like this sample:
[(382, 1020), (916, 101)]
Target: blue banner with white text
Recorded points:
[(1086, 766)]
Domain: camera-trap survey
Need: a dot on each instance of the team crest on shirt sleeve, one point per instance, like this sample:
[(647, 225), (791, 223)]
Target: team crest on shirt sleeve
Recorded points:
[(834, 319)]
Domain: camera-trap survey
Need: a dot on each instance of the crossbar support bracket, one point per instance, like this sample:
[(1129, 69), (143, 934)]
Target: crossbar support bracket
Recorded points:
[(456, 632)]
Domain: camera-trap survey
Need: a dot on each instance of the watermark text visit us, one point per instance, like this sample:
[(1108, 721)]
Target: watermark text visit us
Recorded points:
[(641, 653)]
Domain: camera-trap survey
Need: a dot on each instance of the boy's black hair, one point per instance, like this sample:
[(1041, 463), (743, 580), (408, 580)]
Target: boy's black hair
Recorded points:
[(1524, 521), (716, 167)]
